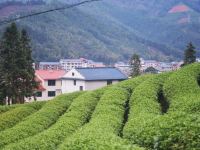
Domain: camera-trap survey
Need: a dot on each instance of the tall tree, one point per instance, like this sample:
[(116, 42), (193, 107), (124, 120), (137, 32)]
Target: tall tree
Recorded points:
[(135, 64), (28, 73), (190, 54), (16, 72), (10, 43)]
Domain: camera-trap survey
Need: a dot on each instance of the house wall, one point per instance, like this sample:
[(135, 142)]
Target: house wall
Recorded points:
[(45, 96), (93, 85), (68, 86), (73, 74)]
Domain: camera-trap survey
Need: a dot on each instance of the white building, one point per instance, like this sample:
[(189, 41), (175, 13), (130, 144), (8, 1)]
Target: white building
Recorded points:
[(68, 64), (49, 66), (82, 79)]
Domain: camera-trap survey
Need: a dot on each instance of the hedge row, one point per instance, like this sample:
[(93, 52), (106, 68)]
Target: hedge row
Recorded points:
[(12, 117), (180, 127), (106, 123), (6, 108), (144, 107), (39, 121), (183, 91), (77, 115)]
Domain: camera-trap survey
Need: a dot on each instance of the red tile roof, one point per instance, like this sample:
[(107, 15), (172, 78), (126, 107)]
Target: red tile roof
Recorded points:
[(50, 74)]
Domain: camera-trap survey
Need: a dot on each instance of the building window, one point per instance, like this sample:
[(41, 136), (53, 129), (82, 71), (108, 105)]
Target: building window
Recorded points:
[(81, 88), (51, 93), (109, 82), (51, 82), (39, 94), (72, 73), (75, 82)]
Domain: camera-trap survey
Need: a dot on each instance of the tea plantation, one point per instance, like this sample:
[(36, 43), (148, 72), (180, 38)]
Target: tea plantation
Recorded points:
[(160, 112)]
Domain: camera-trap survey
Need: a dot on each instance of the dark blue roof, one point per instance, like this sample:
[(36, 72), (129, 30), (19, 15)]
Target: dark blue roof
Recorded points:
[(101, 73)]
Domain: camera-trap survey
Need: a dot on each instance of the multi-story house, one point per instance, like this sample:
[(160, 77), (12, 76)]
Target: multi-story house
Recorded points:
[(49, 83), (86, 79)]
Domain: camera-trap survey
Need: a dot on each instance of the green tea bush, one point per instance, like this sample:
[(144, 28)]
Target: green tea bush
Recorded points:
[(174, 131), (12, 117), (144, 107), (182, 89), (39, 121), (180, 127), (103, 131), (77, 115), (6, 108)]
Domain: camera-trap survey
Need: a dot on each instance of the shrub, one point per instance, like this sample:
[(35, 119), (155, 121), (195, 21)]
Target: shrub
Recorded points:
[(106, 123), (12, 117), (144, 107), (39, 121), (6, 108), (182, 89), (180, 127), (78, 114)]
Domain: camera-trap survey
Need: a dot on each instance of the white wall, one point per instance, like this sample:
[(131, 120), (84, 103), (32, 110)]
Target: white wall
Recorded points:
[(68, 85), (77, 75), (93, 85), (45, 97)]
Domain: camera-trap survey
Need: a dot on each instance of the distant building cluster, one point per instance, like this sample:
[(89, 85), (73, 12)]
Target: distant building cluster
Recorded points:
[(68, 64), (159, 67), (70, 75)]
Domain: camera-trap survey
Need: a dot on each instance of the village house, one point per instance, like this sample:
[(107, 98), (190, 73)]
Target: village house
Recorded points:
[(49, 84), (86, 79)]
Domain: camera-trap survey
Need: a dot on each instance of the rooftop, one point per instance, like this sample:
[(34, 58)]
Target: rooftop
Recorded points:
[(50, 74), (104, 73)]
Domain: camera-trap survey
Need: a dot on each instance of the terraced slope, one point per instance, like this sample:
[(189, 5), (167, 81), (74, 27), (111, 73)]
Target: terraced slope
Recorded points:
[(149, 112)]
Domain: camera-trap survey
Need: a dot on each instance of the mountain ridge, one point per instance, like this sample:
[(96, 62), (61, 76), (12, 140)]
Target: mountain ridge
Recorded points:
[(98, 32)]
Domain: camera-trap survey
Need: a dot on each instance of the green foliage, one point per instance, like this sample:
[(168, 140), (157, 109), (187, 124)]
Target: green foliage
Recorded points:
[(152, 111), (179, 128), (190, 54), (144, 107), (182, 89), (38, 121), (77, 115), (109, 34), (135, 65), (17, 79), (14, 116), (106, 122), (6, 108)]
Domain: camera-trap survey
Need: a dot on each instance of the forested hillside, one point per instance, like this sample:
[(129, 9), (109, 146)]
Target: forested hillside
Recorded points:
[(110, 30)]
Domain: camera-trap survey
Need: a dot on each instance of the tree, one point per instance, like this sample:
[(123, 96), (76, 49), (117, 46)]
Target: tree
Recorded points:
[(190, 54), (10, 43), (16, 72), (28, 73), (135, 64)]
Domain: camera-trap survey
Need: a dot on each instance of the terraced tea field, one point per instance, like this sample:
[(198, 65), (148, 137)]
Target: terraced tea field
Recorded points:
[(149, 112)]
